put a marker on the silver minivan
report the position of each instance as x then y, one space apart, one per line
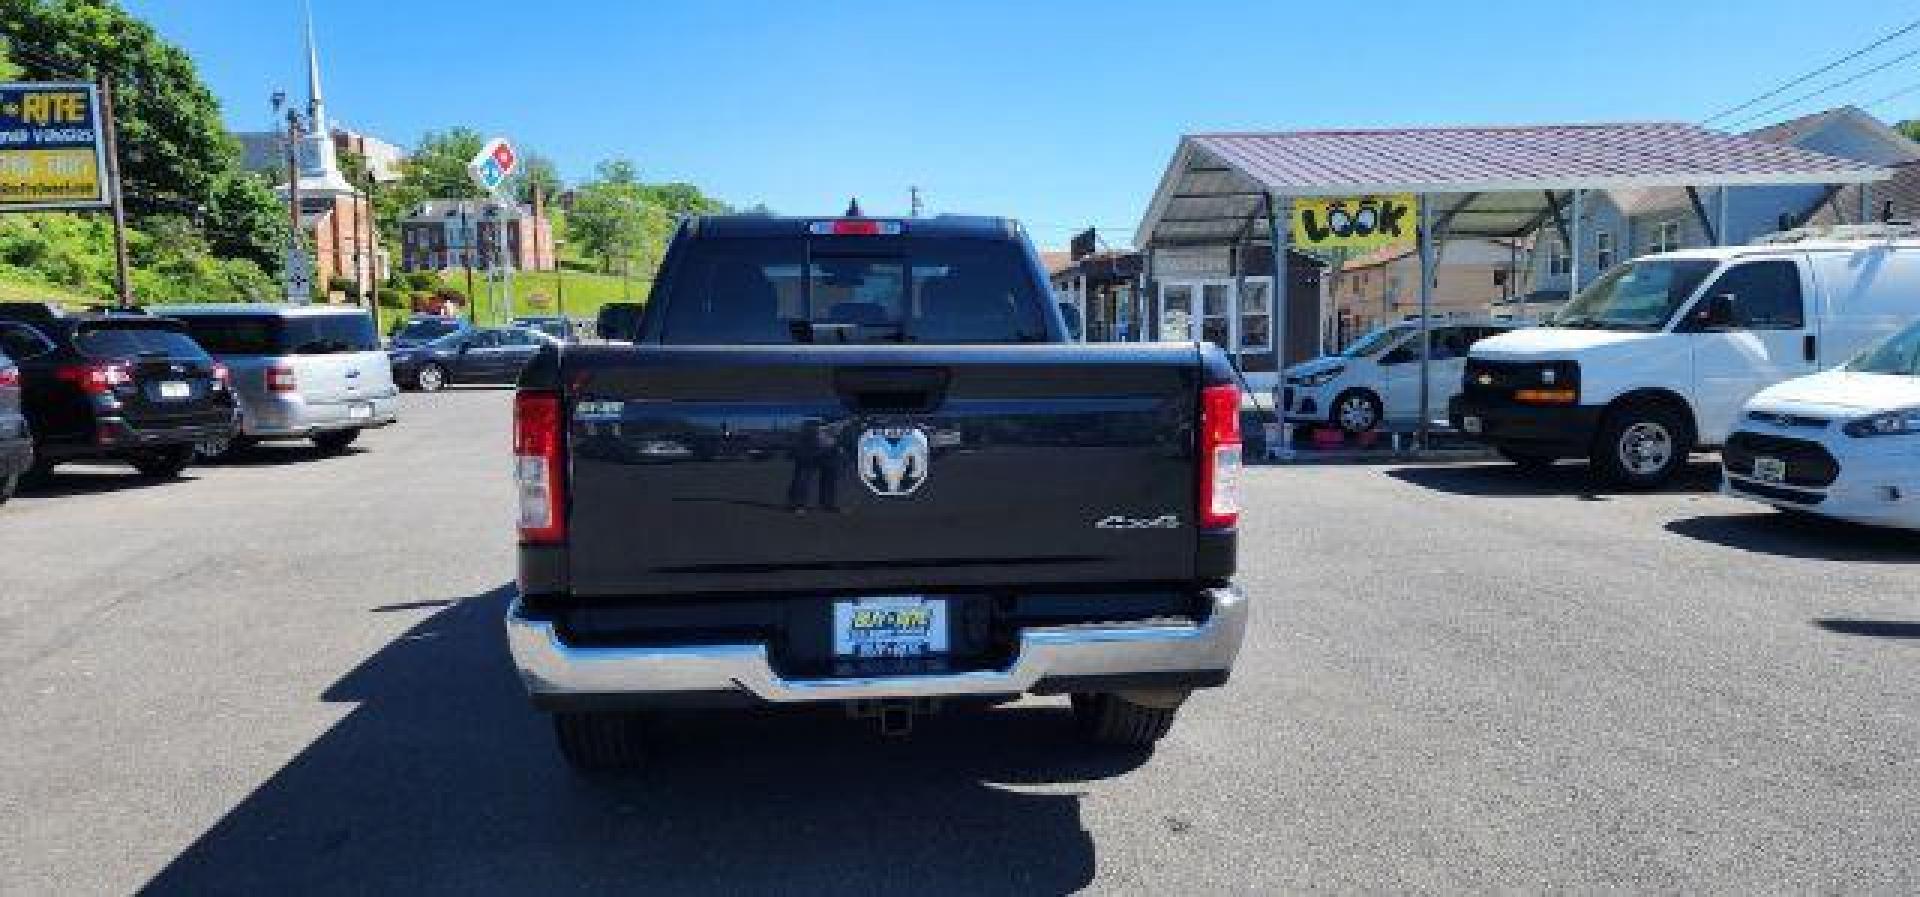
300 371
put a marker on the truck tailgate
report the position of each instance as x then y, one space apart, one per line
864 468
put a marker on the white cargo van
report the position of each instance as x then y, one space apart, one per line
1660 355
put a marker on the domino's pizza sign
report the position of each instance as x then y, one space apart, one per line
494 165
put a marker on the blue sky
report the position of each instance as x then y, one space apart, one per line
1061 114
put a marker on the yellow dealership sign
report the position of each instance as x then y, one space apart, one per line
51 154
1357 223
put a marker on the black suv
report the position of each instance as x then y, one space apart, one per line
128 387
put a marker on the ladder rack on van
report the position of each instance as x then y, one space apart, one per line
1879 231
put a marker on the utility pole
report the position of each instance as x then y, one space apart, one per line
372 289
293 174
123 282
466 252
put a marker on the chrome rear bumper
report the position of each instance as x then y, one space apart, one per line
1203 651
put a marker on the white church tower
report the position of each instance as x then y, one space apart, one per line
320 175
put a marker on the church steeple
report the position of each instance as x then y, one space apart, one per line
319 163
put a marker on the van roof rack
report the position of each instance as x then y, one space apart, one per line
1882 230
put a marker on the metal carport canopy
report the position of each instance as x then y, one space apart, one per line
1500 180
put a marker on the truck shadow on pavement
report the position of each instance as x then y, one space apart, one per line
443 780
1809 538
1561 480
93 480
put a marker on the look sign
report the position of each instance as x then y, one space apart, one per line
1358 224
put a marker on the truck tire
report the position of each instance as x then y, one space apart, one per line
600 742
1642 445
162 463
1114 721
8 485
333 442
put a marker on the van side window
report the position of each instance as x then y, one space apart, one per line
1766 295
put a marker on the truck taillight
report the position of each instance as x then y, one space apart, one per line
9 376
280 378
1219 456
96 379
537 465
222 378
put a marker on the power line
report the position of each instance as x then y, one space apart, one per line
1882 41
1892 96
1814 93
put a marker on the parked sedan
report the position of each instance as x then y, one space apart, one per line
479 355
1844 443
16 441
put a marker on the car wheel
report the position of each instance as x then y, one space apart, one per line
430 378
1528 461
334 442
1115 721
600 741
162 463
1642 446
9 484
1357 411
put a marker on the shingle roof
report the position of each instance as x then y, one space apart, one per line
1466 160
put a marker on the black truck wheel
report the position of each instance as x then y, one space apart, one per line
1109 719
601 742
334 442
8 484
162 463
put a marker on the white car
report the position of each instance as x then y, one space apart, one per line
1842 444
1377 379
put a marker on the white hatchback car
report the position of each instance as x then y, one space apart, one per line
1842 444
1377 379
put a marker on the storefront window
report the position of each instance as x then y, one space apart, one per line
1216 321
1256 318
1176 312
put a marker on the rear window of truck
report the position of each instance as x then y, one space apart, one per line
277 335
132 339
778 291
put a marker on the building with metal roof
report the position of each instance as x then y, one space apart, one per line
1224 192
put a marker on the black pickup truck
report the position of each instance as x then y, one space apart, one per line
861 461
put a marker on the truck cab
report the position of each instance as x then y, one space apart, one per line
1659 356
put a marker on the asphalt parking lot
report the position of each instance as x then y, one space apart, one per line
288 676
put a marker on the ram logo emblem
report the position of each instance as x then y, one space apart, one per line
893 461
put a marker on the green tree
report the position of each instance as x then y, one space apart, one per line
539 171
1910 128
438 166
175 154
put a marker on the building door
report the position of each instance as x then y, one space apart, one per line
1254 322
1176 312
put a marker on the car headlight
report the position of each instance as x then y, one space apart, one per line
1319 378
1904 422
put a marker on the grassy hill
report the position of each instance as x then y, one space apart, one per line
15 287
583 293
